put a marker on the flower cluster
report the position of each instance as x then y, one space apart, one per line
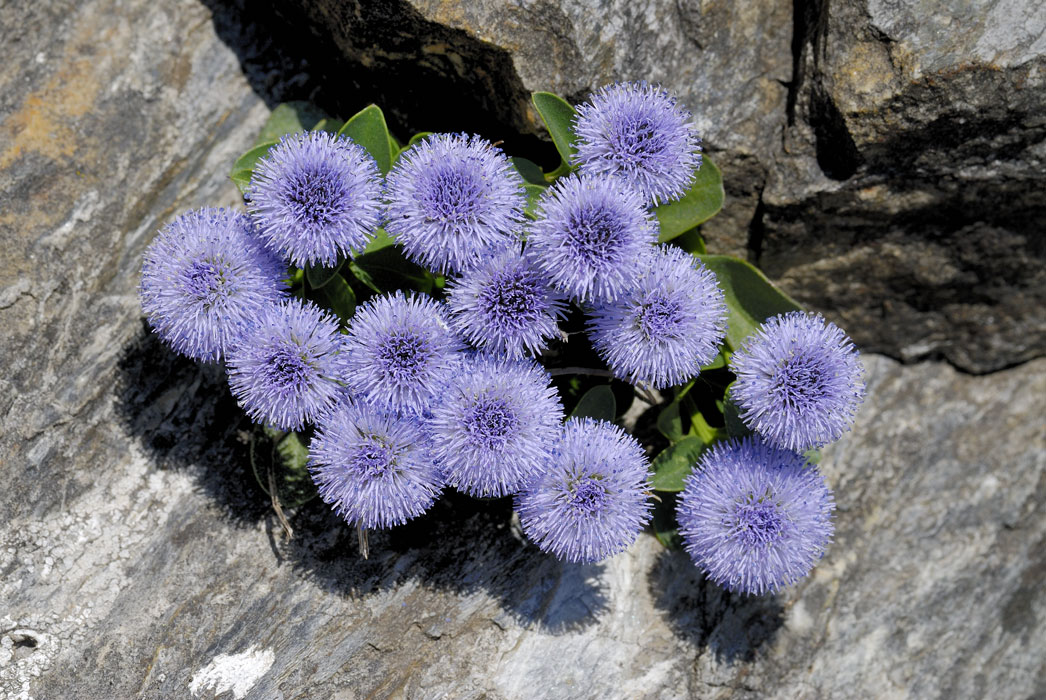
444 385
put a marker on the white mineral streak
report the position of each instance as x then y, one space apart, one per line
235 672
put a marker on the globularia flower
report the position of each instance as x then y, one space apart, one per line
590 235
399 348
285 370
799 381
494 425
205 278
639 133
754 517
374 468
669 324
504 305
589 501
451 198
315 197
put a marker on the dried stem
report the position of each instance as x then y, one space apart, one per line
287 530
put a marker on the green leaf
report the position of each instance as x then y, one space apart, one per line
691 242
363 276
666 530
388 269
394 146
670 422
675 463
702 201
319 276
340 298
418 138
285 455
243 169
735 427
290 118
598 403
534 193
367 128
750 297
529 170
718 363
558 116
813 456
330 125
381 239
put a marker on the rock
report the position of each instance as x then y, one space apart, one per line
884 169
138 558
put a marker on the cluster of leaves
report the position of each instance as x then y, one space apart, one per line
695 415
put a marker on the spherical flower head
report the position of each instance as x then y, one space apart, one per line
285 370
638 132
668 326
399 347
590 235
374 468
589 501
205 278
451 198
754 517
495 424
504 305
799 381
316 197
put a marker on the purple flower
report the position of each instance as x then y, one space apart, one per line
639 133
205 278
495 424
504 305
451 198
591 234
374 468
285 370
315 197
669 324
754 517
589 502
399 348
799 381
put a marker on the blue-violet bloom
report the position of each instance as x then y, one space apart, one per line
589 502
799 381
504 305
669 324
374 468
205 278
495 424
285 370
640 133
753 516
590 235
316 197
451 198
399 348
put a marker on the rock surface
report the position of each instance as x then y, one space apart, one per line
139 559
884 161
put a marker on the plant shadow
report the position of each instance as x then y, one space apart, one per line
184 418
734 627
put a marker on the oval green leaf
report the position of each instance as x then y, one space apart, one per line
701 202
558 116
319 276
340 298
534 193
290 118
750 297
367 128
670 422
243 169
598 403
529 170
675 463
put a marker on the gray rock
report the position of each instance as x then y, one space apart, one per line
138 558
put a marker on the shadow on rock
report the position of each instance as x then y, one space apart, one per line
183 415
461 546
734 627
